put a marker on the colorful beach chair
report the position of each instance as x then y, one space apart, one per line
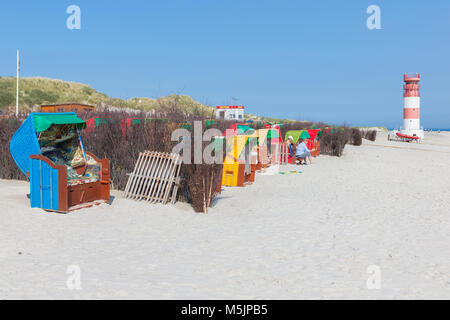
63 177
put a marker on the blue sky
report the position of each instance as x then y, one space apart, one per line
313 60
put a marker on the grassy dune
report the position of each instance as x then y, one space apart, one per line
37 91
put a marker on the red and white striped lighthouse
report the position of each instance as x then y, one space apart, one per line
411 108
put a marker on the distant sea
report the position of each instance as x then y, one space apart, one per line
426 129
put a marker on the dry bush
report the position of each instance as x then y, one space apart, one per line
355 136
370 135
200 182
8 168
203 182
109 141
332 142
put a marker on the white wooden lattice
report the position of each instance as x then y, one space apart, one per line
155 177
283 150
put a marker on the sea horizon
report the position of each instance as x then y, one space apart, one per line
426 129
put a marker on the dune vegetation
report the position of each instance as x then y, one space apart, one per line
37 91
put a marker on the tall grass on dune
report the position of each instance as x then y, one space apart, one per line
35 91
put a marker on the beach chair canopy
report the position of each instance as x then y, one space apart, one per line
209 123
332 130
239 128
235 147
43 121
40 130
218 143
93 123
297 134
275 134
99 121
243 129
313 133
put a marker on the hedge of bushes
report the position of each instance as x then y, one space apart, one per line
200 182
332 142
355 136
370 135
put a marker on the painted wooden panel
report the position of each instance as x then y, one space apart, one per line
43 185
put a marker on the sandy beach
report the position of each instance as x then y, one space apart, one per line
310 235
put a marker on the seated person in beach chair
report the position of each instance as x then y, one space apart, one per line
291 144
302 152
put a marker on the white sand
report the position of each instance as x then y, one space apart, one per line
308 235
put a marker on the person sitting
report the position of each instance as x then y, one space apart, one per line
291 144
302 152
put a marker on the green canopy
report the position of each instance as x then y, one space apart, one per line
210 123
242 129
43 121
218 143
273 134
99 121
305 135
296 134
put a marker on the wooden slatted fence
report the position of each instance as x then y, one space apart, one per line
283 151
155 177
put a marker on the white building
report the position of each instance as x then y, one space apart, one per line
230 113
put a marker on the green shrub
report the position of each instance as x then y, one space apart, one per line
6 99
38 96
87 90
